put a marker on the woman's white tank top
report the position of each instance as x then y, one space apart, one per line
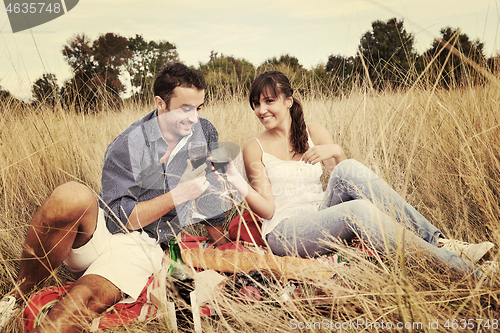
296 188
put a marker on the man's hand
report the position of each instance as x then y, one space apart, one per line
192 184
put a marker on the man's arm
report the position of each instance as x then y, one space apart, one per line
123 183
120 190
192 184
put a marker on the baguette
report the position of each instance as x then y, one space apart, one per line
230 261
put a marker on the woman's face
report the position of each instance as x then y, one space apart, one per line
273 111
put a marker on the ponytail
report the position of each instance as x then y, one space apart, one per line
298 129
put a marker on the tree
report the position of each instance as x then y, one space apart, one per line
388 53
340 66
342 72
450 67
291 67
494 64
78 54
96 67
286 59
81 91
9 105
5 95
45 90
226 75
84 94
145 62
110 52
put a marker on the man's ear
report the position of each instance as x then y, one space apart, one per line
159 103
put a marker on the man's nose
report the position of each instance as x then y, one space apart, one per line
193 115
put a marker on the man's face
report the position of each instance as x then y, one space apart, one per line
177 119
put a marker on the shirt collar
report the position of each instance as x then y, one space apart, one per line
152 128
179 146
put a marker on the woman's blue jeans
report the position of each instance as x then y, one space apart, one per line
359 203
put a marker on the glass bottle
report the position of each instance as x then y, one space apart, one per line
175 270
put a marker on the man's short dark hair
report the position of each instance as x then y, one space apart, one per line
175 74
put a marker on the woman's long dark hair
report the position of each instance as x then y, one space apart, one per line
275 83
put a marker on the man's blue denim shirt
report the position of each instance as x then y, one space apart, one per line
132 172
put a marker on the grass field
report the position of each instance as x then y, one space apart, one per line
439 149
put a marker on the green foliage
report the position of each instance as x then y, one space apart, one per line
9 104
110 52
227 76
343 73
87 94
291 67
340 66
45 90
145 62
388 53
4 95
450 67
81 91
494 64
285 59
97 68
319 83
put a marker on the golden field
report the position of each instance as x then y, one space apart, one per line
439 149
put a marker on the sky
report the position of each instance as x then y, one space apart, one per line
254 30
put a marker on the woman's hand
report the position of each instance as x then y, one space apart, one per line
234 178
324 150
320 153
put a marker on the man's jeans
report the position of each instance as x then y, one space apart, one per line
359 203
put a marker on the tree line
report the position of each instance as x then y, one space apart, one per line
385 58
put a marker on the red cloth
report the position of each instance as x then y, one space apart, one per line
41 302
254 225
249 226
200 242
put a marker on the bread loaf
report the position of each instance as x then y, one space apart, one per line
230 261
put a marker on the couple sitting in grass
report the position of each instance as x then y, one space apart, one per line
148 185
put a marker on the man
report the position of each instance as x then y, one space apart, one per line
148 189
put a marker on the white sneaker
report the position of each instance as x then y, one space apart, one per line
487 270
490 267
8 310
473 252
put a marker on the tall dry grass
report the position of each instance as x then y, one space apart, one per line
439 149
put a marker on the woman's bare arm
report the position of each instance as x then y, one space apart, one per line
258 194
324 149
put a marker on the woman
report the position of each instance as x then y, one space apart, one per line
284 169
